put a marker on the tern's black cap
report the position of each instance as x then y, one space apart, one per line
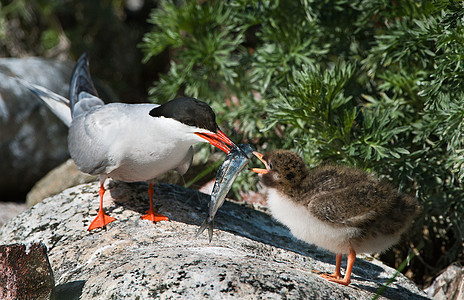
189 111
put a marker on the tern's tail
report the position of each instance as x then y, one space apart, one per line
59 105
204 225
83 95
81 82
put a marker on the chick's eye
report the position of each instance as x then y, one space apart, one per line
270 165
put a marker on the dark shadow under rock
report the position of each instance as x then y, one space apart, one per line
69 291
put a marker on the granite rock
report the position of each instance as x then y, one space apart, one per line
251 255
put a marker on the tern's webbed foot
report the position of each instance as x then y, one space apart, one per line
101 220
154 217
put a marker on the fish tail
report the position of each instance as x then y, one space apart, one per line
210 230
204 225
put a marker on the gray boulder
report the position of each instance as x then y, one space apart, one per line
32 139
57 180
9 210
251 255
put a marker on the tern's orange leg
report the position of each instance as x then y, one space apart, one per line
336 277
150 214
102 219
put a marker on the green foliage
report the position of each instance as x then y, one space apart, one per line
316 107
375 84
207 42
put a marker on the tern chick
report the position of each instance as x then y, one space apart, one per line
343 210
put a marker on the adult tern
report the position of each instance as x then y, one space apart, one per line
130 142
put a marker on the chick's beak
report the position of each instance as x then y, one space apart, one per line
218 140
260 157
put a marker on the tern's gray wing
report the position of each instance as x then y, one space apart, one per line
186 162
85 103
81 82
91 135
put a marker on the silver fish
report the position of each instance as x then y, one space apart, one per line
234 162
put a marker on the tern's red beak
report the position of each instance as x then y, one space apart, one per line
218 140
257 170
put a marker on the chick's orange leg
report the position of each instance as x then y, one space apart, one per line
349 267
150 214
102 219
338 263
337 274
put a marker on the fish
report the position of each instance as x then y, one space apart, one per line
234 162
